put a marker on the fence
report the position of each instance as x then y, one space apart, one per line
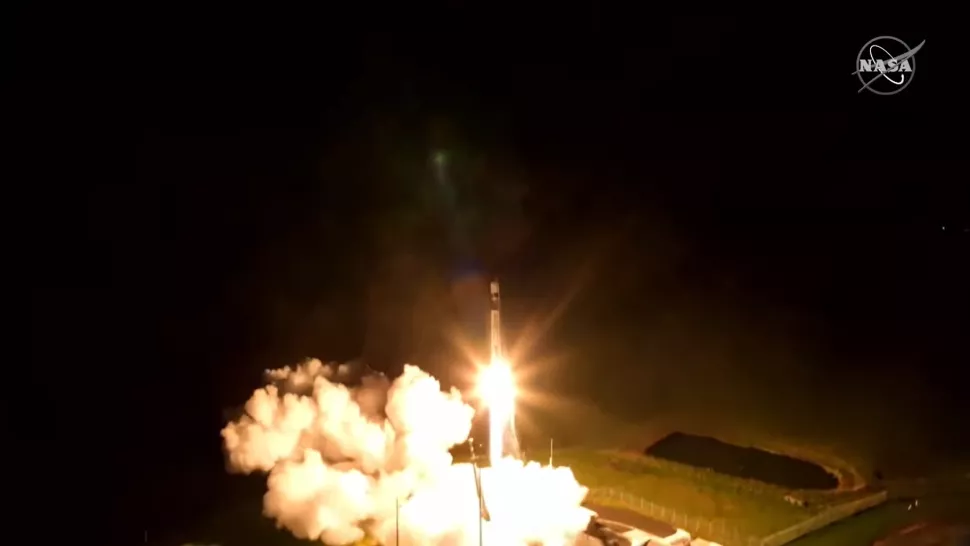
716 530
824 518
639 463
720 531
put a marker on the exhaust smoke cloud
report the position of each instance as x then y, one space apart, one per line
371 460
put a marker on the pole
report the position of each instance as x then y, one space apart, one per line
397 521
550 451
478 489
481 501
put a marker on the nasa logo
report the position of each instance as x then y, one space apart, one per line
882 72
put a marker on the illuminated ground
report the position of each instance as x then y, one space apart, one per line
756 509
743 462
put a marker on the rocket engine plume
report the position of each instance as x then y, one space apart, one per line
498 390
345 462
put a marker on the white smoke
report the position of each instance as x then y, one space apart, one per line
372 460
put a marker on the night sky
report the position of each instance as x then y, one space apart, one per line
719 207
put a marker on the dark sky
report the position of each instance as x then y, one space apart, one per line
214 200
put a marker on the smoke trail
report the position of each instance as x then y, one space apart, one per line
340 458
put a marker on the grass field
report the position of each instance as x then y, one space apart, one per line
615 459
750 508
755 509
869 526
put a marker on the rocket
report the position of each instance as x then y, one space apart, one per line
509 437
495 324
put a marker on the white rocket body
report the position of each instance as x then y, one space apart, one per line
509 438
495 324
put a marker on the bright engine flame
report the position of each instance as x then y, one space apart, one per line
497 385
